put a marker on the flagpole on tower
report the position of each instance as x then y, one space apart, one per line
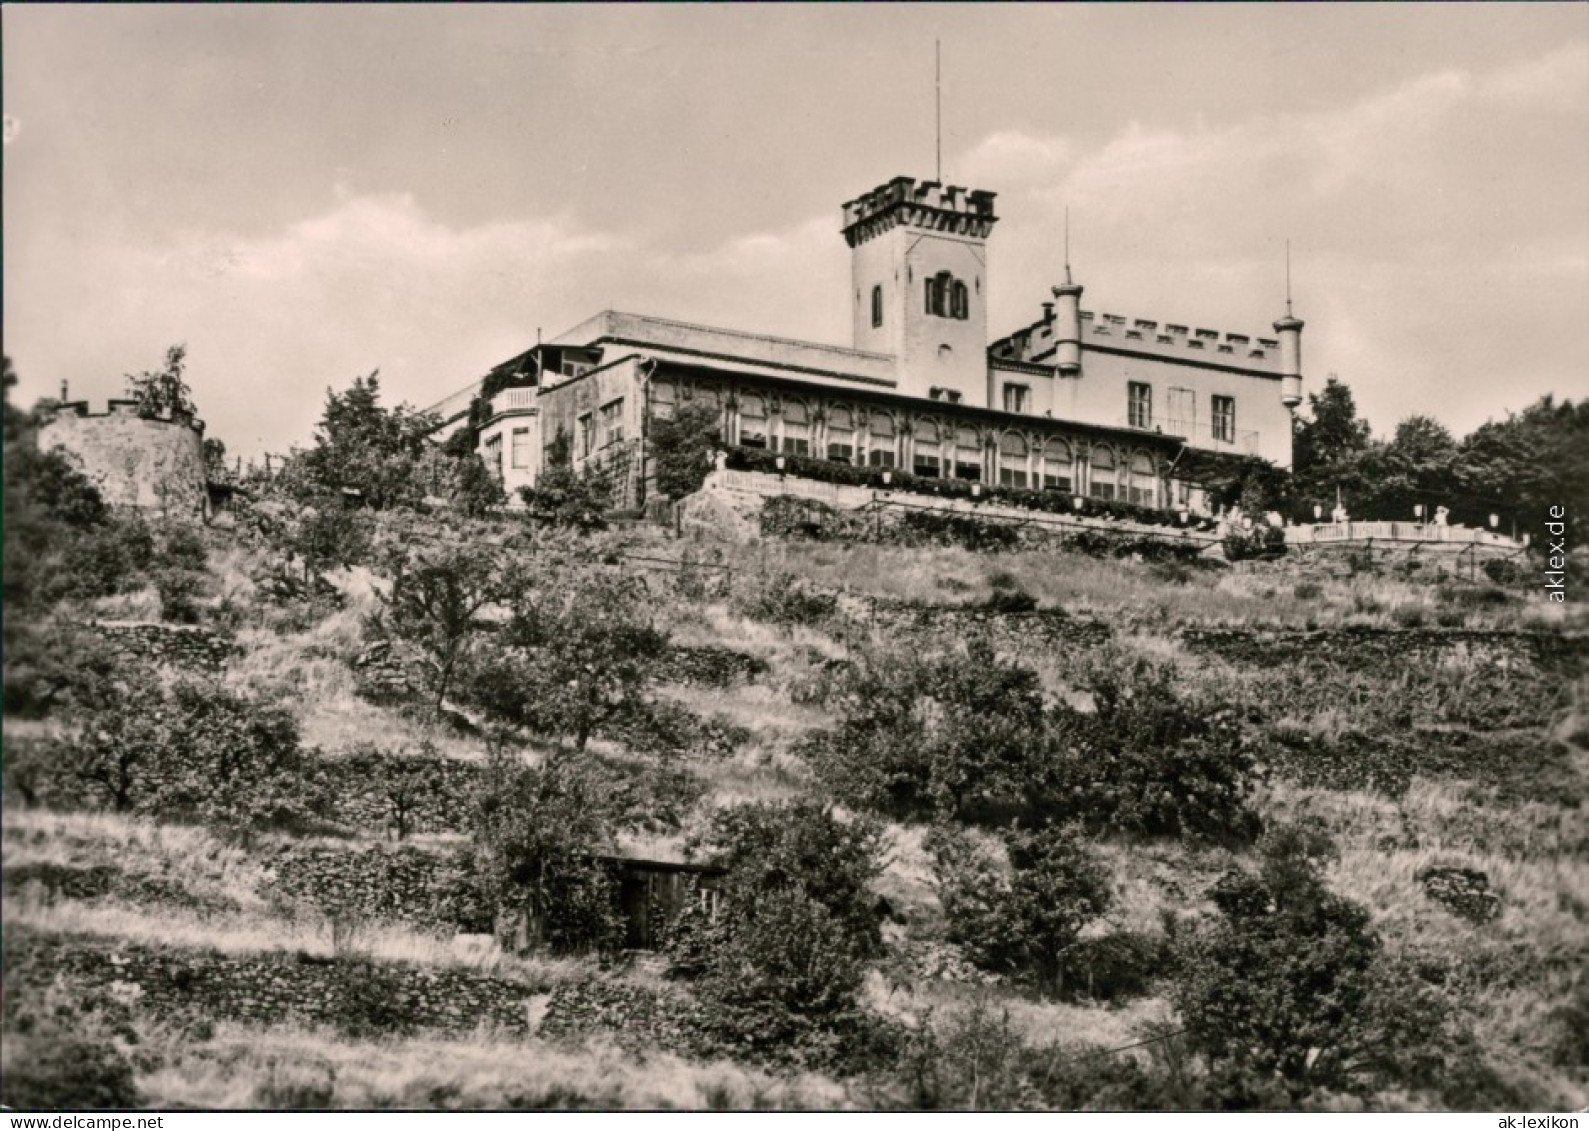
937 92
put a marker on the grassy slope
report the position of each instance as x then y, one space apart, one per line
1537 868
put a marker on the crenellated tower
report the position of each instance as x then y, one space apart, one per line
919 268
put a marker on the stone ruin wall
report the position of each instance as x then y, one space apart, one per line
154 465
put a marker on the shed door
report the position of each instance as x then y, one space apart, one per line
634 897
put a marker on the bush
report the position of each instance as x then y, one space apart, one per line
179 591
1147 760
1010 601
53 665
1027 923
954 735
52 1068
1290 987
1262 543
193 749
1503 571
782 960
786 599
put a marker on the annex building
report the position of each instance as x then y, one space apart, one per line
1080 402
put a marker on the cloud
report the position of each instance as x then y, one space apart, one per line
1433 249
1430 221
377 282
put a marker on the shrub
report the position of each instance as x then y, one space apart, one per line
786 599
1148 760
1010 601
1502 571
782 961
193 749
564 497
1025 924
51 665
953 735
1262 542
1307 591
179 591
1290 988
681 447
52 1068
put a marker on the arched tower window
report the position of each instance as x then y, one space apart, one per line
960 302
877 305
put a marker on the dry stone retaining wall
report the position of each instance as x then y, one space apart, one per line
178 645
267 988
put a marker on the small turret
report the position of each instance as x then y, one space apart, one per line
1067 327
1289 329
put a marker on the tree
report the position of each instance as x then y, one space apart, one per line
1417 466
366 449
1330 446
535 831
783 957
953 736
1519 467
163 394
476 492
408 786
565 497
438 595
1024 922
577 653
681 446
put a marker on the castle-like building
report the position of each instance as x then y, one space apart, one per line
1078 402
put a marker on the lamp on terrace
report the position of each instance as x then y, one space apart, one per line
1495 521
888 477
1318 512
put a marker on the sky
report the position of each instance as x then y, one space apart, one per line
303 194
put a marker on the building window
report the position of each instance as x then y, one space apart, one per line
1017 398
1012 461
947 297
877 305
796 429
880 442
968 455
925 465
587 435
494 455
1225 419
1142 487
521 448
612 422
1101 484
1139 397
574 369
1056 466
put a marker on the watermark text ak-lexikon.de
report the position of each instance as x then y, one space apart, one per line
1556 555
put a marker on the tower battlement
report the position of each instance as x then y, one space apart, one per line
925 204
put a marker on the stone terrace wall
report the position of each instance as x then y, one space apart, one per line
1039 630
430 890
1367 644
267 988
178 645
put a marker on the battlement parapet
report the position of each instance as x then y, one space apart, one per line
127 409
923 204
